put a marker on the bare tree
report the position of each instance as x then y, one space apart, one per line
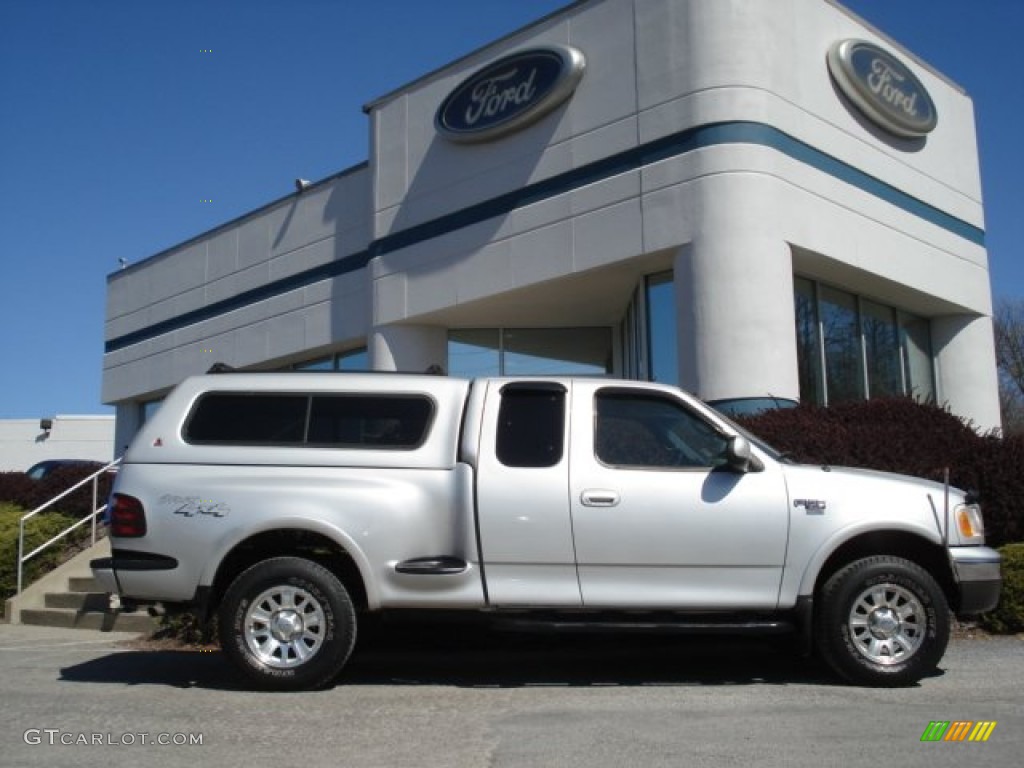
1008 322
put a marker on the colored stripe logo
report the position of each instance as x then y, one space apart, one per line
958 730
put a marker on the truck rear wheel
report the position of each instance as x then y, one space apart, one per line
882 621
287 624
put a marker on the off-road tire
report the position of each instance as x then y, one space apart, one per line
882 621
287 624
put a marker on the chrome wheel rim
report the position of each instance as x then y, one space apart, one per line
887 624
284 627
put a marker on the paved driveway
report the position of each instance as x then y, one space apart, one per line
476 699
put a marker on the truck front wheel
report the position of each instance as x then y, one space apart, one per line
882 621
287 624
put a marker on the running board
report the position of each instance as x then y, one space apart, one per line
681 625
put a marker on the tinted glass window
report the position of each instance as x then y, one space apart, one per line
248 418
530 352
915 335
531 426
367 421
808 341
881 349
334 421
662 337
844 360
868 349
640 430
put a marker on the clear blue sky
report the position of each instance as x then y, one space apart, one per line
116 127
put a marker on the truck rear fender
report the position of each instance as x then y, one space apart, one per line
291 535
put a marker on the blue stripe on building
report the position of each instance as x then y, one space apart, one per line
675 145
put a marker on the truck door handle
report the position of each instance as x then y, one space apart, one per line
599 497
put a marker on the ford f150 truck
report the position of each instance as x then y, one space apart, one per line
290 505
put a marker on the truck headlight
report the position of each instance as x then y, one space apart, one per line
970 524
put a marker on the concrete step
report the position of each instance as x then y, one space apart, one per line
83 584
108 621
77 601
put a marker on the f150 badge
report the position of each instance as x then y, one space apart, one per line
811 506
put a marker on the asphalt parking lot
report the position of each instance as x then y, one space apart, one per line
479 699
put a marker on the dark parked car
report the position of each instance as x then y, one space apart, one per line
44 469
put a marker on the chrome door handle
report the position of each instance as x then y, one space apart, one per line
599 497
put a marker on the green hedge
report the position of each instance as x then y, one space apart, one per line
1009 614
38 530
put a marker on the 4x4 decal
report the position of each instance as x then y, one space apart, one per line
190 506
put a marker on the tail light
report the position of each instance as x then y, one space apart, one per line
127 517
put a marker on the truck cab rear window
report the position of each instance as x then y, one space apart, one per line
387 422
531 425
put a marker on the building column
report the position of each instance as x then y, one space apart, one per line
409 348
127 421
966 375
736 324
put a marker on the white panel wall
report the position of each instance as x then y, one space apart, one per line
326 223
434 176
23 443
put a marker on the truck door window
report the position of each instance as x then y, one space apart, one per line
531 425
637 429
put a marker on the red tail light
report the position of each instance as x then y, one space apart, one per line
127 517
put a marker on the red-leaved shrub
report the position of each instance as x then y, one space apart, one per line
903 436
17 488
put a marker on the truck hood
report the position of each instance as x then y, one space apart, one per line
872 478
852 496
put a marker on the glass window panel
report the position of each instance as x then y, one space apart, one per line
881 350
232 418
641 430
808 346
844 375
915 338
531 426
474 353
354 360
662 330
632 343
320 364
394 422
557 351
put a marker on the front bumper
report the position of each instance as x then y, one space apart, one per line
978 577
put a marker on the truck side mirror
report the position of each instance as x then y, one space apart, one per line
739 457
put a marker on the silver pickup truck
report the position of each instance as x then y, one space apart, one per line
290 505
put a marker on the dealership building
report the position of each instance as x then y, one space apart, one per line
749 199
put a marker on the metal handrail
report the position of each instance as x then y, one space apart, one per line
97 511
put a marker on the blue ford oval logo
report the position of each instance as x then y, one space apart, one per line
882 87
510 93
